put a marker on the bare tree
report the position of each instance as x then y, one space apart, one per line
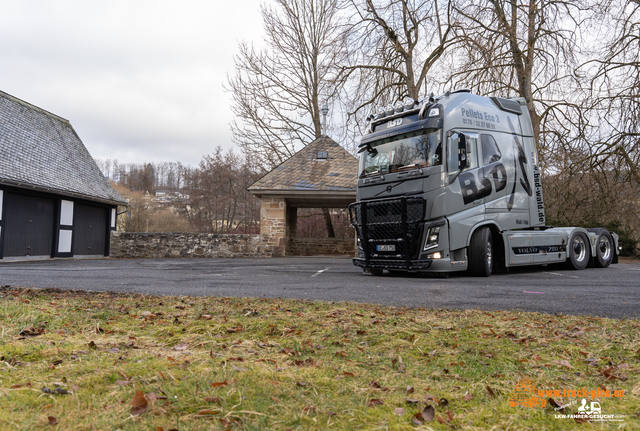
390 48
615 88
521 47
278 91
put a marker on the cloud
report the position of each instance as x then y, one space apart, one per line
138 80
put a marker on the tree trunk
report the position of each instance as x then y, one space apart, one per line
327 223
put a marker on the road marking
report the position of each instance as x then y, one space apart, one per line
320 272
562 275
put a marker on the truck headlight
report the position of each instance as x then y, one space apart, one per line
433 236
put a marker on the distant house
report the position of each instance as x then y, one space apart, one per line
54 201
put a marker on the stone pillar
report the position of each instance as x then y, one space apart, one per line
273 221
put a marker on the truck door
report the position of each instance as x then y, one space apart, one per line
465 191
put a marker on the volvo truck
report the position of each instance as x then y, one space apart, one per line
453 183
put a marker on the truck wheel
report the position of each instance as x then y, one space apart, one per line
578 251
604 248
481 253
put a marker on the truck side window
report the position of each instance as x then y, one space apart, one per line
490 151
472 154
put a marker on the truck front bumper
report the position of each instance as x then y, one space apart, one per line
412 265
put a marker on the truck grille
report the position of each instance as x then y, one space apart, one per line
389 229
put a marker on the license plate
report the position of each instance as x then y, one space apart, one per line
386 247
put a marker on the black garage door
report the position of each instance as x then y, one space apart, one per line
90 224
28 225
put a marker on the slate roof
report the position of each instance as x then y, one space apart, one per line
41 151
304 171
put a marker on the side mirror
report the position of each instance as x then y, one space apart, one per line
463 150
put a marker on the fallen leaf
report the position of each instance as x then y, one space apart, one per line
212 399
449 416
399 411
21 385
441 420
555 405
409 390
207 412
493 394
425 415
52 420
139 404
348 374
375 402
432 398
30 331
411 401
468 397
152 397
443 402
56 391
181 347
563 363
308 409
219 384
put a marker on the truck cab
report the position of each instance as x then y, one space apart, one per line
453 184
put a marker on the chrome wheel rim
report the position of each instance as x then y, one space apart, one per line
579 248
605 247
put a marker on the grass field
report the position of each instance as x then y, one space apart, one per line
103 361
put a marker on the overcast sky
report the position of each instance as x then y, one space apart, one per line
139 80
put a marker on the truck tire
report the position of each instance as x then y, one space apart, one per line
481 253
604 248
578 249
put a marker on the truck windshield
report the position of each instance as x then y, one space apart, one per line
409 150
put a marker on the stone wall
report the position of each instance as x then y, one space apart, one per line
320 246
163 245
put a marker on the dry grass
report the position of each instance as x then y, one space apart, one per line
81 361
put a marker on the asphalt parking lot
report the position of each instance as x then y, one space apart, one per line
612 292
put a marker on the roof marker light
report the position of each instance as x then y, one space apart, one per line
409 104
434 112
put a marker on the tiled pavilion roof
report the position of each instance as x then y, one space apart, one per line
308 171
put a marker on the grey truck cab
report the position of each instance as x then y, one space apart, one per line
453 184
